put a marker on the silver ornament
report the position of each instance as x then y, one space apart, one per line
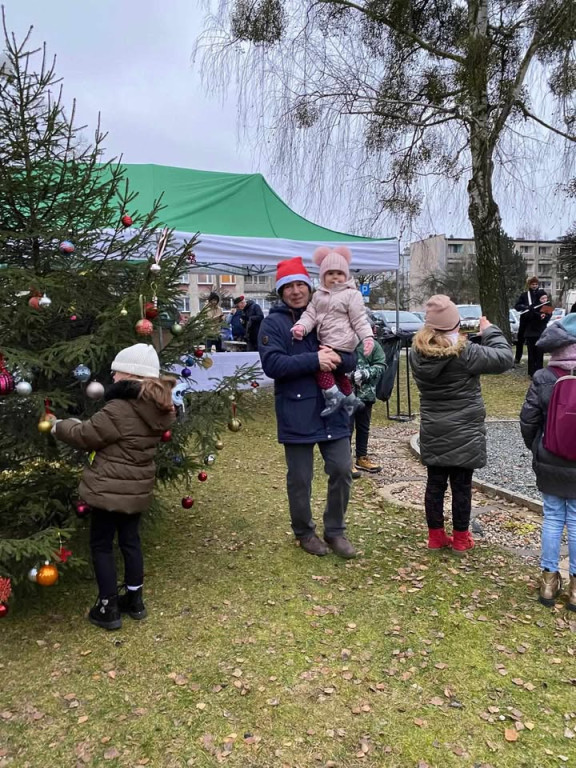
177 329
33 574
82 372
23 388
123 311
155 267
209 460
95 390
44 301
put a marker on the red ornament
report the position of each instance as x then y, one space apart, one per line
254 384
150 310
166 436
5 589
187 502
3 610
34 302
126 220
63 554
198 352
144 327
82 508
202 476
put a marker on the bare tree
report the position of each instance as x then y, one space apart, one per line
397 93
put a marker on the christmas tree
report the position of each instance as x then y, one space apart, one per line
83 273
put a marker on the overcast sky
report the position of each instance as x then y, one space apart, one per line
130 60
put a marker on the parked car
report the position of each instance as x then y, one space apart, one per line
514 324
408 321
557 314
421 315
470 315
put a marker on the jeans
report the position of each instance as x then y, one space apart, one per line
461 487
558 513
361 420
337 465
103 527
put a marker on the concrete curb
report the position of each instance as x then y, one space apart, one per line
488 488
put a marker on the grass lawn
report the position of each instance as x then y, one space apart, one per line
256 654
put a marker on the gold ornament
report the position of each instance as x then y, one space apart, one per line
219 445
47 575
44 425
206 362
234 425
123 311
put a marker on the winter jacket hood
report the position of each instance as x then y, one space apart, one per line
452 414
124 435
554 337
293 366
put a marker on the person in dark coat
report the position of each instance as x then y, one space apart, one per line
299 402
538 317
237 320
447 369
252 317
555 476
118 483
529 298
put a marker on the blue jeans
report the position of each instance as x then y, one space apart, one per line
558 513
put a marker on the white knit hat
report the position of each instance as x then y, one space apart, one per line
138 360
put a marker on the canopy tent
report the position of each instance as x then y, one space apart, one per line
244 227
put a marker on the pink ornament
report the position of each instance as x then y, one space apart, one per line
144 327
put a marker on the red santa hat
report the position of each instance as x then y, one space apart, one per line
291 271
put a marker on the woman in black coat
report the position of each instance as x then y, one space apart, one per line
526 300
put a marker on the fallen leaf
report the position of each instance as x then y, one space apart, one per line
437 701
111 754
511 734
82 719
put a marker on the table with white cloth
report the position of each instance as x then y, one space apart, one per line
224 364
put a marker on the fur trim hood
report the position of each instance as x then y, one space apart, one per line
424 348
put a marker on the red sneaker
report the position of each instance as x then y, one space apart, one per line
437 538
463 541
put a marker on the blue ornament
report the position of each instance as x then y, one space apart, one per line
185 372
177 460
67 247
82 372
190 361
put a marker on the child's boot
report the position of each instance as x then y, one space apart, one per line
105 613
334 401
462 542
131 602
571 605
352 404
437 538
550 587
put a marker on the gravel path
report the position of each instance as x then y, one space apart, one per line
509 461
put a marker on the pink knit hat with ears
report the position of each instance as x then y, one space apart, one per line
332 258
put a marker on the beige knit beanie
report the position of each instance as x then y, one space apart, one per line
441 314
138 360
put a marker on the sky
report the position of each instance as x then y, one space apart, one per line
130 60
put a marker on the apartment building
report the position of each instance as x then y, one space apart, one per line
197 286
437 252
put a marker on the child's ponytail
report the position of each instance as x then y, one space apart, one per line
158 391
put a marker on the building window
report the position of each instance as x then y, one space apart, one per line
205 279
183 303
525 249
455 248
545 268
185 278
543 250
227 279
256 280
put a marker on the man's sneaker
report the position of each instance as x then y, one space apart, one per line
105 613
340 546
334 401
131 602
313 545
367 465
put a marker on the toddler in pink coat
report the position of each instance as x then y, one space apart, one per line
338 314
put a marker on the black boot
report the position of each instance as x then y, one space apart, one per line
105 613
131 602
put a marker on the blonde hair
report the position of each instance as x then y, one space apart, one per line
430 337
158 391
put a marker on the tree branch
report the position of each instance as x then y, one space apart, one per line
527 113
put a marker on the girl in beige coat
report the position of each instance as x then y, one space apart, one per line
338 314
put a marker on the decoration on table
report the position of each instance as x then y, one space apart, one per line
95 390
210 459
62 555
6 379
187 502
5 592
33 574
44 301
207 362
219 445
176 329
190 360
166 436
199 352
254 384
126 221
48 418
186 372
234 425
144 327
24 388
202 476
160 248
82 372
82 509
67 247
47 574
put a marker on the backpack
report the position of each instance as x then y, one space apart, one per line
560 431
385 384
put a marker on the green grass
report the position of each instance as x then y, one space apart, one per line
256 654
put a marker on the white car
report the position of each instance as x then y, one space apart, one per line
557 314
